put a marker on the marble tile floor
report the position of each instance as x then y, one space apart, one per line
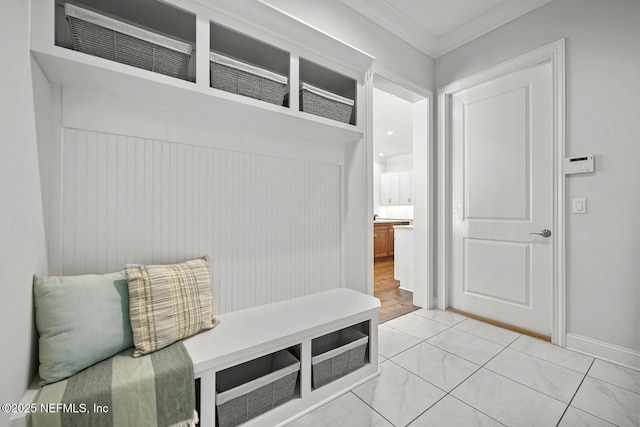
442 369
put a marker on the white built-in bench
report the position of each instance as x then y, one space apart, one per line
248 334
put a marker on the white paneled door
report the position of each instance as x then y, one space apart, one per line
502 191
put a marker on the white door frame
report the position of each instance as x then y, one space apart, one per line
423 196
553 53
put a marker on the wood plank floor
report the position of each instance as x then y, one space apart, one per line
393 300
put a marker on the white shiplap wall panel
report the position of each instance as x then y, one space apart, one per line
270 225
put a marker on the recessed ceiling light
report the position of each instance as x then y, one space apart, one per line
381 154
389 132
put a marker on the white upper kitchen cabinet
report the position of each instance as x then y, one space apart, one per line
396 188
389 189
406 187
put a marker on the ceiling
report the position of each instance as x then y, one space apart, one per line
391 114
436 27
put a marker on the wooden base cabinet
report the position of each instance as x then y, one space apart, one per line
383 239
380 240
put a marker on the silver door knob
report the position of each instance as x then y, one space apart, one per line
543 233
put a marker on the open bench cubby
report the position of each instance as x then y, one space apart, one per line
339 353
273 363
254 387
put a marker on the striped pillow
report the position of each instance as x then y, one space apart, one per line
168 303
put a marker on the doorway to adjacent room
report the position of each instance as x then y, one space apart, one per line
400 179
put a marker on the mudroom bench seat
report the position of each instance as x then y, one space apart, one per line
294 325
299 327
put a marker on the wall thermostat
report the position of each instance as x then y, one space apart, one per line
578 164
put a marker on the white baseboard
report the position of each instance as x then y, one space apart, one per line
603 350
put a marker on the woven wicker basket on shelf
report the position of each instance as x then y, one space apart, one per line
108 38
337 354
320 102
252 388
244 79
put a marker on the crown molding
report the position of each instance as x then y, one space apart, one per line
484 23
388 17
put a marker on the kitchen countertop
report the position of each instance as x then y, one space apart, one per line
403 227
387 220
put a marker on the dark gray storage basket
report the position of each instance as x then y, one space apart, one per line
254 387
320 102
244 79
117 41
337 354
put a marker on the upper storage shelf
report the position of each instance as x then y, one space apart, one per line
200 40
232 43
327 93
144 33
247 67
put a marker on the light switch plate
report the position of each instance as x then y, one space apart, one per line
579 206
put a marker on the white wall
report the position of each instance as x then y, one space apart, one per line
424 209
22 246
342 22
400 163
395 60
170 186
603 102
379 167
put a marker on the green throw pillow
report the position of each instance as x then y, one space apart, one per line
81 321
